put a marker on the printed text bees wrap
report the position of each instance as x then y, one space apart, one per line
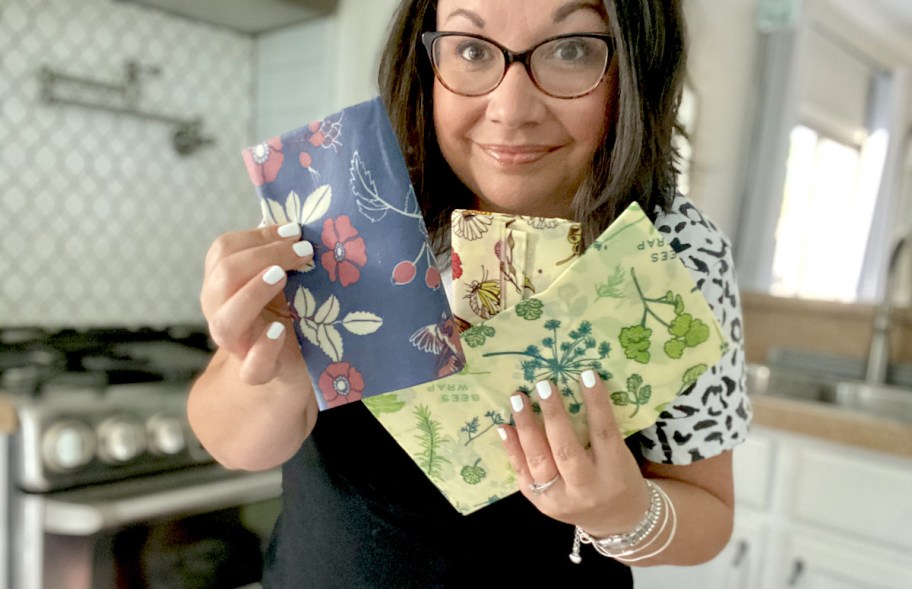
369 314
627 308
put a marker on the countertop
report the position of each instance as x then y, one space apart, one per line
822 421
834 424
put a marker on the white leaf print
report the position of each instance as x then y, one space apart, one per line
328 311
304 303
369 202
309 331
362 322
273 213
292 207
316 204
330 341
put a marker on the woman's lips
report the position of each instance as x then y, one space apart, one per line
516 154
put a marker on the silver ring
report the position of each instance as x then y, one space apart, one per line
539 488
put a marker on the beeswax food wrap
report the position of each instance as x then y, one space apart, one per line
369 313
627 307
508 259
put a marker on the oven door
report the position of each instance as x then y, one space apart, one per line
202 527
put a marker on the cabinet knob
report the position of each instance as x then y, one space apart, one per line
797 572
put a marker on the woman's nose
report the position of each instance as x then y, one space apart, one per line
517 100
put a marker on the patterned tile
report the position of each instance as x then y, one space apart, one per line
101 221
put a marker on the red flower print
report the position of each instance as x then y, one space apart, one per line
346 251
316 139
340 383
305 159
263 161
326 133
457 266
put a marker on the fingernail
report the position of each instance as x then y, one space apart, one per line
273 275
502 433
588 378
290 230
517 402
275 330
544 389
303 248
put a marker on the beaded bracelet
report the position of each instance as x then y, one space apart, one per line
619 546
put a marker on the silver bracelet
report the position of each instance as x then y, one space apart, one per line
628 543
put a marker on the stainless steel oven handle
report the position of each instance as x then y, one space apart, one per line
86 516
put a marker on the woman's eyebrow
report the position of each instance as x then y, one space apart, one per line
476 20
571 7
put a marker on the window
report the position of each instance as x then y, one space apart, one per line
827 209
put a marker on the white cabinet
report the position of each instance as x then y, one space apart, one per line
736 567
816 560
810 515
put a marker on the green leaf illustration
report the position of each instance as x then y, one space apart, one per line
693 373
389 403
674 348
612 288
636 394
697 334
635 341
473 474
475 336
430 460
530 309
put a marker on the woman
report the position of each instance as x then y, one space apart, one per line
579 128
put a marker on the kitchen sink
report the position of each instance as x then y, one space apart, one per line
882 400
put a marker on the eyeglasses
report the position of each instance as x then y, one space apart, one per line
565 66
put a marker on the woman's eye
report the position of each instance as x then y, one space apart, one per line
571 51
472 51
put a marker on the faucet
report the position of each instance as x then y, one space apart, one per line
879 352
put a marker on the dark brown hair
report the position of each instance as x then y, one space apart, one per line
636 162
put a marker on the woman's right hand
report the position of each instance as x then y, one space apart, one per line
243 302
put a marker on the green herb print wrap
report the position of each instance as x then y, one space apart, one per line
627 308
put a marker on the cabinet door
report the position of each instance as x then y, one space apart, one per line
823 561
736 567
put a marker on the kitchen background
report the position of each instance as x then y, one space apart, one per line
106 215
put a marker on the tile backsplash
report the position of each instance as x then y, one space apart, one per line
102 222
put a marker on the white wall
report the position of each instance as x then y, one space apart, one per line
308 71
723 54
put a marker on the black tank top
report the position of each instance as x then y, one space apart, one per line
358 513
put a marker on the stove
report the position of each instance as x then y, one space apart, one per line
101 405
102 462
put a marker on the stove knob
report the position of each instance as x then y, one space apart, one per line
166 435
67 445
120 439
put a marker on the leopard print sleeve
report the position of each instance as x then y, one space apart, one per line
713 414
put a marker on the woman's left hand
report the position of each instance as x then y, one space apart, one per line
600 487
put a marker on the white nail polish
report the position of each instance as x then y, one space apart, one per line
517 402
289 230
588 378
275 330
273 275
502 433
544 389
303 248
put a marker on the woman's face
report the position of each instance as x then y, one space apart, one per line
518 149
